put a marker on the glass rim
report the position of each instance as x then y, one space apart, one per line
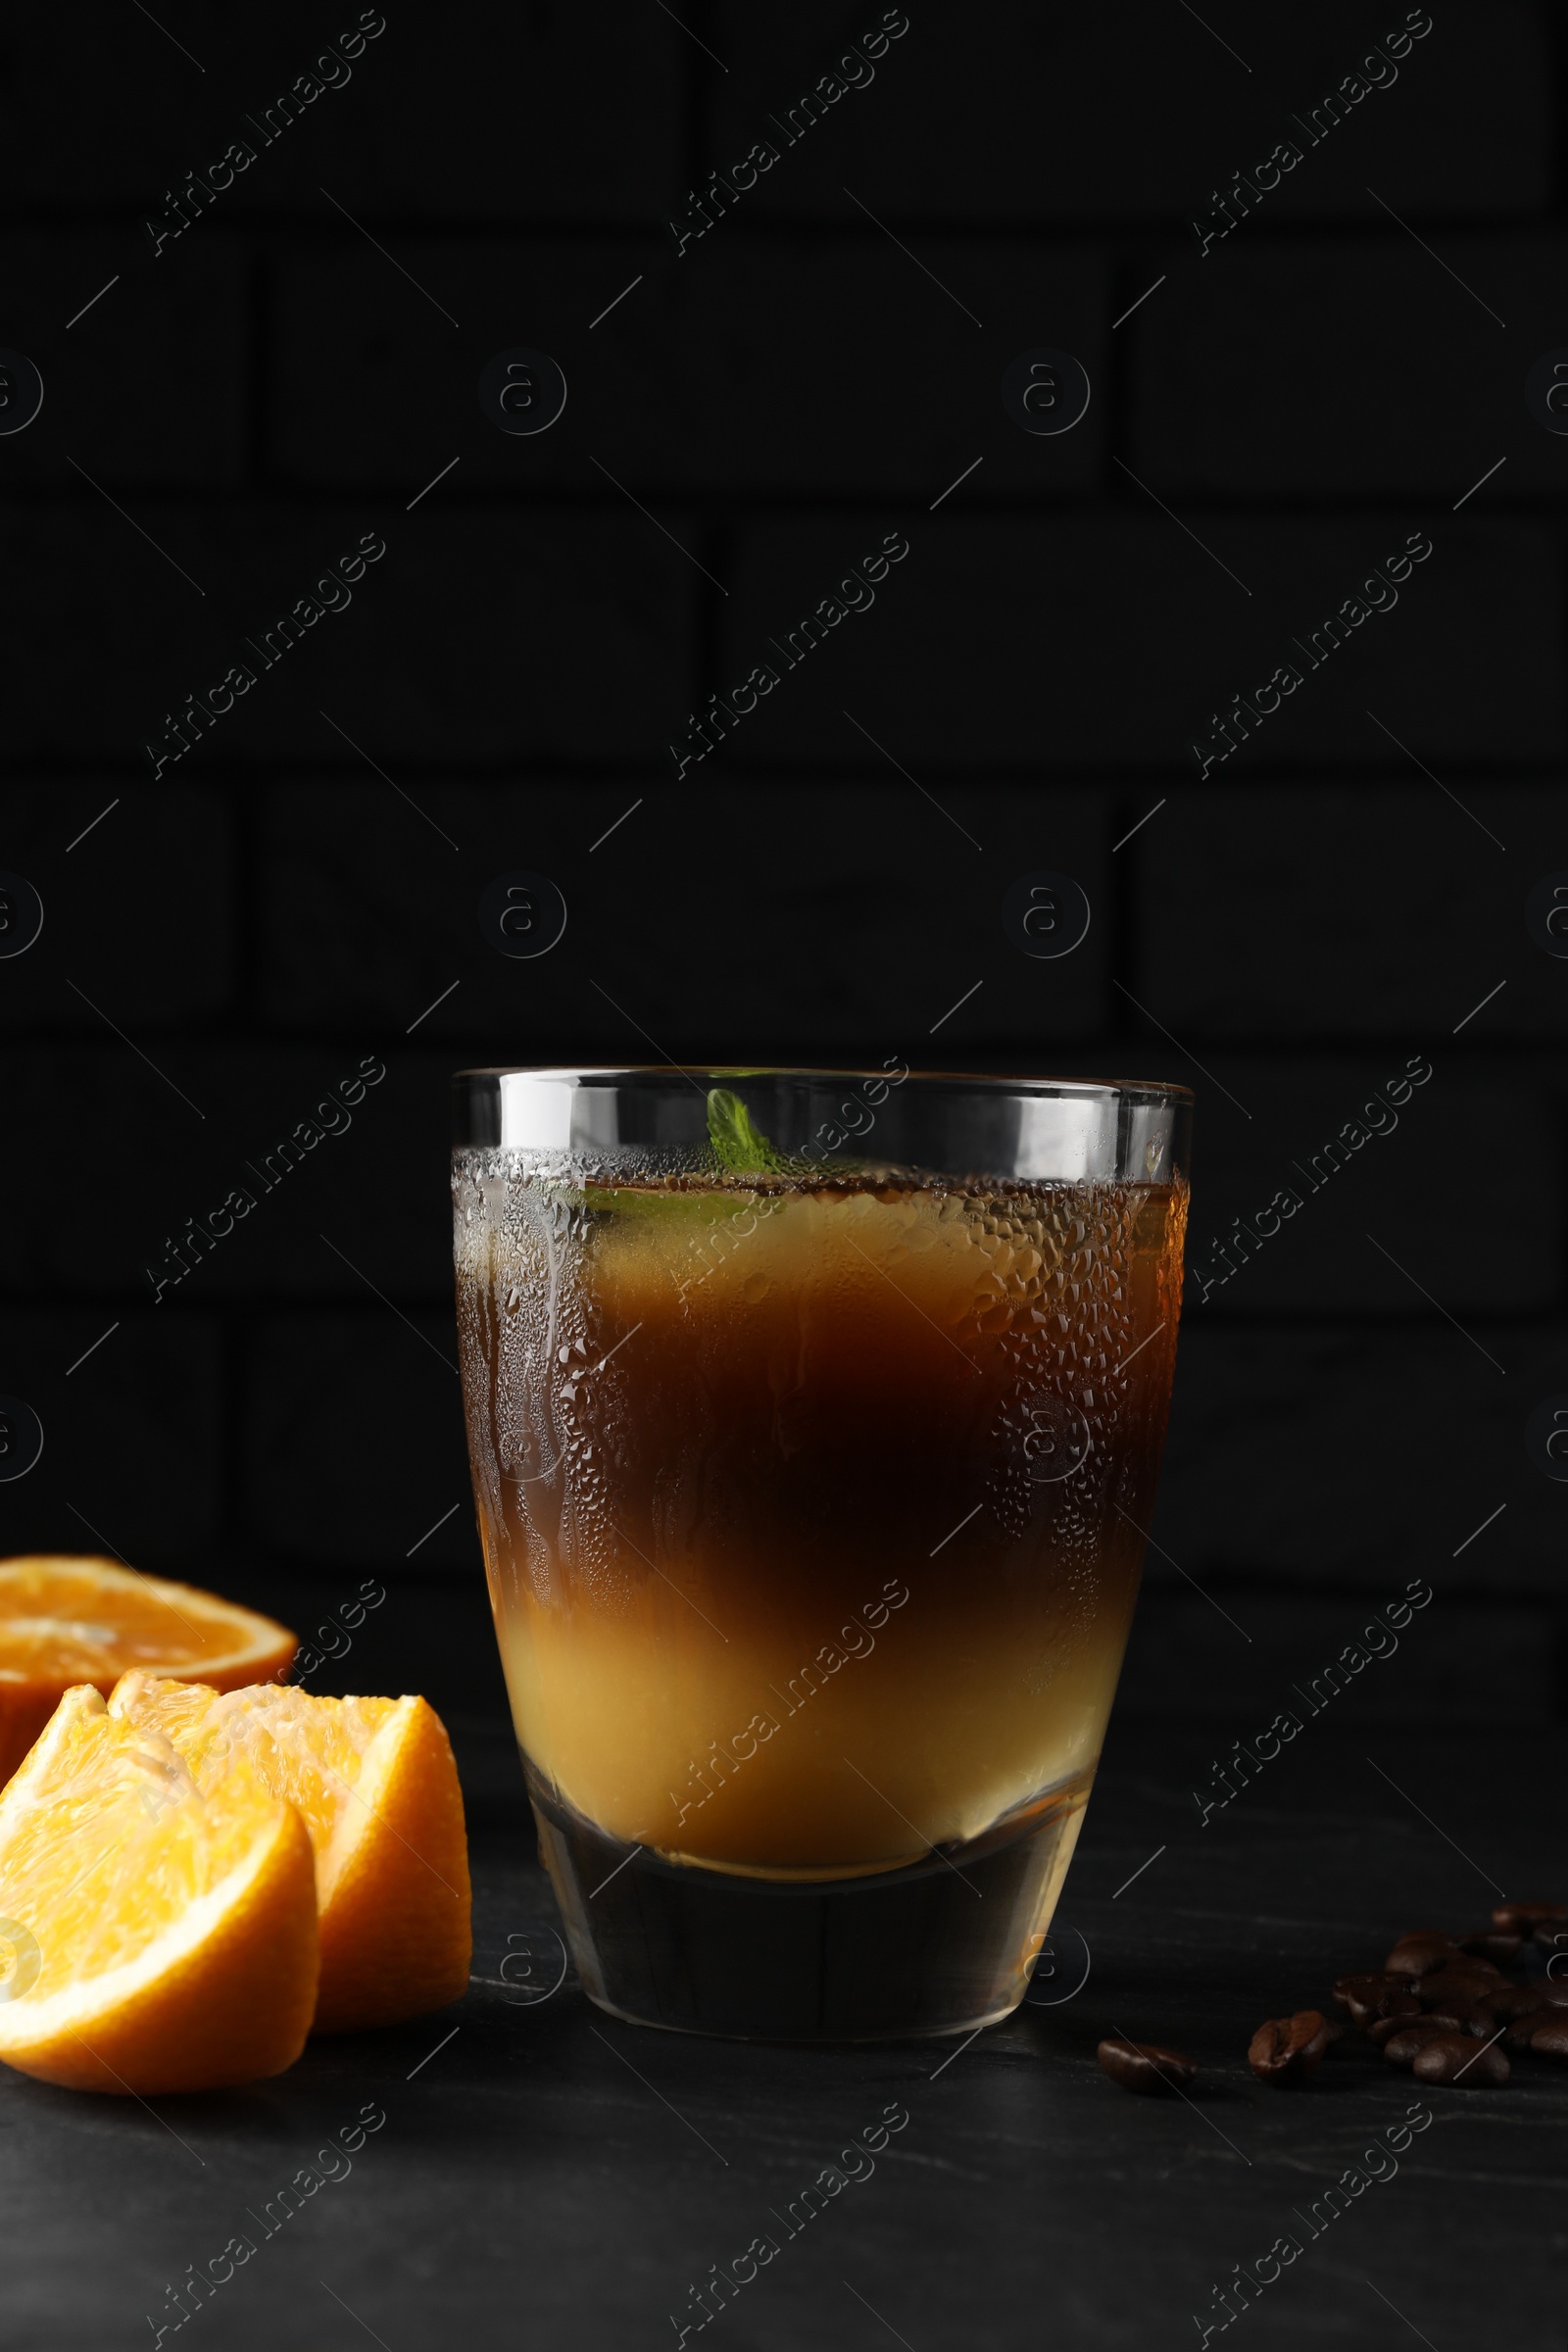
1106 1089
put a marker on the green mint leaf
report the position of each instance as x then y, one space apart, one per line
741 1150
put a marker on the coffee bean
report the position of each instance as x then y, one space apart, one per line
1413 1959
1368 1981
1455 2018
1446 1986
1492 1946
1455 2059
1143 2066
1552 2038
1473 1964
1554 1938
1399 2009
1521 1919
1364 1993
1422 1949
1286 2050
1460 2007
1546 1996
1543 1999
1519 2032
1401 2047
1516 2000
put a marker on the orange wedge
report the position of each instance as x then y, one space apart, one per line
375 1782
153 1937
65 1621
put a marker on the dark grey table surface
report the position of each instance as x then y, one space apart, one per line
546 2176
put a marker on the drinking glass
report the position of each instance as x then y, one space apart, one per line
815 1419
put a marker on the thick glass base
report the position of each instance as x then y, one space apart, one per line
941 1947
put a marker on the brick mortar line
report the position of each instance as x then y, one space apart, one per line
201 1033
499 772
291 497
1091 235
1501 1051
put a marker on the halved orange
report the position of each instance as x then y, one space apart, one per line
66 1621
376 1784
154 1936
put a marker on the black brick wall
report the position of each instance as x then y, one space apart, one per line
233 937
